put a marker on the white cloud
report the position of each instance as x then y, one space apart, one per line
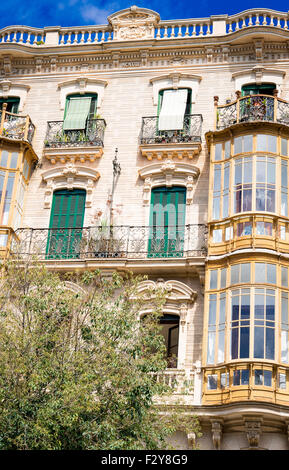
95 15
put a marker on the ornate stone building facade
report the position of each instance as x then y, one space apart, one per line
161 147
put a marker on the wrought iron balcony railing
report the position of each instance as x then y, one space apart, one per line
92 135
111 242
191 131
16 127
252 108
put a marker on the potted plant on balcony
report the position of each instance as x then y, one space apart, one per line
101 242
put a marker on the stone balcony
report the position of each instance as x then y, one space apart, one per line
82 144
181 143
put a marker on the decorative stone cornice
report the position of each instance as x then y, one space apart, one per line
9 88
169 173
179 297
133 23
68 177
82 85
72 154
171 150
259 74
175 80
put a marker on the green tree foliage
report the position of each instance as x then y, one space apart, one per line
77 367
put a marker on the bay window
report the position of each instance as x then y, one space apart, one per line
244 321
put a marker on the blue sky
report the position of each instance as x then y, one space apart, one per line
41 13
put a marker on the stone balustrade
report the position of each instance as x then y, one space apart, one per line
215 25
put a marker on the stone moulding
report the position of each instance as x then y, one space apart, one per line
72 154
258 75
169 173
171 150
133 23
82 85
175 80
69 177
179 297
8 88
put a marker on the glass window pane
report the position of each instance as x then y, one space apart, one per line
224 380
261 142
238 171
244 342
260 272
245 377
282 381
259 342
223 277
284 346
212 309
267 378
13 160
236 377
211 347
217 178
222 316
212 382
258 377
218 152
248 170
245 272
217 236
3 239
237 145
248 143
235 274
284 174
272 143
271 273
213 279
4 158
227 149
284 147
270 343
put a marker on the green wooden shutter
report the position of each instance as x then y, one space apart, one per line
66 222
77 113
167 222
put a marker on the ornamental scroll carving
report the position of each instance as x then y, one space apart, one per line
133 23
